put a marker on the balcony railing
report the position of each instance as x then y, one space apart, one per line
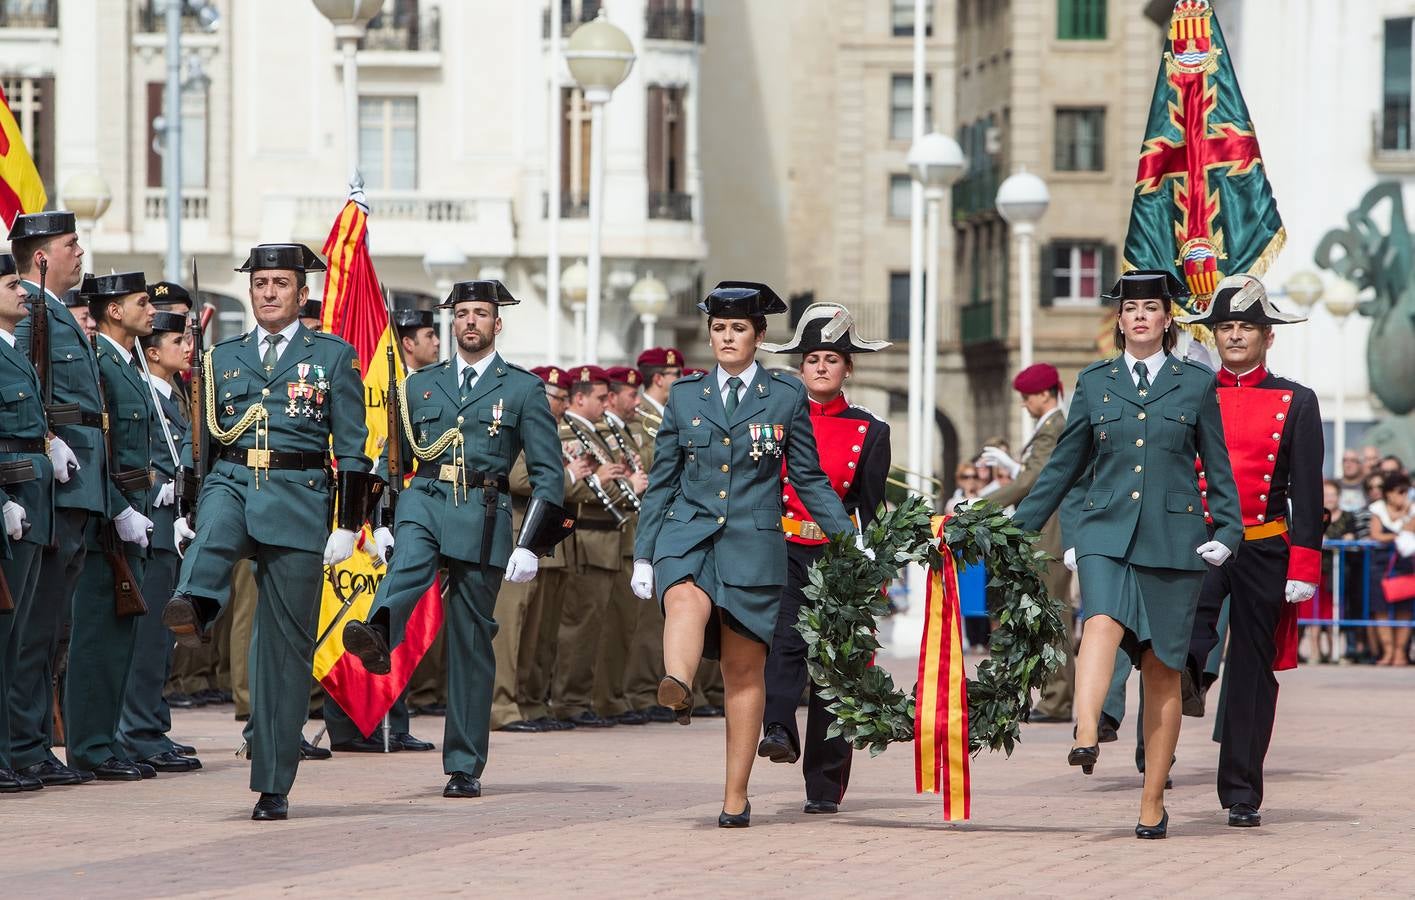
568 20
572 206
977 193
196 206
152 18
670 205
407 208
29 13
408 29
674 25
977 323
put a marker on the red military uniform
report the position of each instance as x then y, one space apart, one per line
844 434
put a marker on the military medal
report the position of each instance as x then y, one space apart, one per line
756 431
495 427
293 390
303 369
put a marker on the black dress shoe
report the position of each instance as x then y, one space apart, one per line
1244 815
210 696
675 694
547 723
1037 717
630 717
661 714
776 745
183 619
462 786
432 709
310 751
1085 757
408 742
183 749
521 726
735 820
590 719
9 781
370 644
1153 832
821 807
367 745
709 712
271 808
52 772
145 770
181 701
1108 732
172 761
114 769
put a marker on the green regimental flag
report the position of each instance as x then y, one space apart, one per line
1203 207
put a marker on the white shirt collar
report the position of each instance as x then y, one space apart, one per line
7 336
288 333
126 354
1152 365
480 367
613 419
574 415
748 375
163 386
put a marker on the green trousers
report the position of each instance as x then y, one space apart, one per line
22 575
428 686
470 625
146 718
100 657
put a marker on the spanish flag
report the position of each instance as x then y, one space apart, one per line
21 189
354 310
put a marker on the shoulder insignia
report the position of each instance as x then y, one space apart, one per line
356 366
1099 364
866 410
233 339
522 369
685 379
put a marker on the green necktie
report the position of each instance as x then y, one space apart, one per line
729 399
272 342
1142 376
469 375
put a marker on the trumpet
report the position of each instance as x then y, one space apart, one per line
587 441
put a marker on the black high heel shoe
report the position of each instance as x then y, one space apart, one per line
1153 832
683 706
735 820
1085 757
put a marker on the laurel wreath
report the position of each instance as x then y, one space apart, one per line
1025 649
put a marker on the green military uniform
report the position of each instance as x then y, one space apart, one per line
309 396
457 513
1141 519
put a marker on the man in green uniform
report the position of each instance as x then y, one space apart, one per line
276 398
80 471
26 495
467 421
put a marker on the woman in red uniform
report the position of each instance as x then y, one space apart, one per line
854 454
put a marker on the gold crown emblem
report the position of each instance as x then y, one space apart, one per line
585 374
554 376
161 290
672 358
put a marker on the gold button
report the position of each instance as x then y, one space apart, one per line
864 428
460 420
851 464
1286 398
845 484
722 495
785 497
670 514
1139 469
726 441
1267 478
790 514
1261 519
1141 417
1139 442
1189 508
1262 496
1276 436
1092 503
1134 495
228 395
1281 416
1183 419
1271 457
265 392
720 520
1203 474
311 482
724 467
1203 493
22 394
854 449
785 480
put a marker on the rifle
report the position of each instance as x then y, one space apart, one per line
127 598
39 338
393 446
189 481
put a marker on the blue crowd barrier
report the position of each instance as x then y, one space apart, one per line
1344 555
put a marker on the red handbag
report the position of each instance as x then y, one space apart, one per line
1397 588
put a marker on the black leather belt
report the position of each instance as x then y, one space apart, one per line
130 481
475 479
13 445
275 459
582 525
70 414
17 471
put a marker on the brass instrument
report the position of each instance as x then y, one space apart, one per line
626 446
596 486
586 439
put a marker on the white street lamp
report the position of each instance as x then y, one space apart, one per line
600 56
1340 301
88 197
1304 289
350 19
443 261
574 287
649 298
1022 200
936 162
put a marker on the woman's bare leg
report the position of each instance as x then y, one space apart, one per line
1095 663
685 615
743 661
1162 717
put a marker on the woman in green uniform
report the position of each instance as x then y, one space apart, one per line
710 523
1137 423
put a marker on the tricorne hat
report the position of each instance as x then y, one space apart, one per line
313 308
1241 298
168 323
100 290
413 318
741 300
487 291
1147 284
826 326
7 265
295 257
43 224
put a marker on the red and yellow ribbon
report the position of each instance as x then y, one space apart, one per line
941 703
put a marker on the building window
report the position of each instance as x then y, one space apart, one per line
901 18
32 103
899 305
1080 140
1078 272
901 106
388 142
29 14
901 196
574 153
667 127
1395 87
1080 20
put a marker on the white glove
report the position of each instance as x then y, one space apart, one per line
166 495
339 547
1300 591
522 566
1001 460
14 520
381 549
1405 543
1214 553
64 460
642 581
860 545
1068 558
133 527
182 532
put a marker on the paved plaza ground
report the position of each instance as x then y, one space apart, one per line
631 812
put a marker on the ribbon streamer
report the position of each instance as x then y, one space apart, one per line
941 703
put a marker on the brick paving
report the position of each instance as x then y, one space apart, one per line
631 812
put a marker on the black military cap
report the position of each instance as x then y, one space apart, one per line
295 257
118 284
742 300
1147 284
168 323
478 292
43 224
168 293
312 309
7 265
413 318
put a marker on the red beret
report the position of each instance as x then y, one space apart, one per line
695 371
660 358
624 375
585 374
1036 378
552 375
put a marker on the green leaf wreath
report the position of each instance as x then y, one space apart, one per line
839 629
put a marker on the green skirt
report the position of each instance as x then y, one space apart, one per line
749 611
1156 606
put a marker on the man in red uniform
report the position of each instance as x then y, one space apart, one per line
1274 434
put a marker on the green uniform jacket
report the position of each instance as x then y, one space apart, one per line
132 422
435 405
74 373
1142 504
705 482
286 507
22 418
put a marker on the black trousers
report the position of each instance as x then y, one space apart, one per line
1255 580
825 762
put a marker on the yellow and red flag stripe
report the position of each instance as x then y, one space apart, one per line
21 188
941 701
354 309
